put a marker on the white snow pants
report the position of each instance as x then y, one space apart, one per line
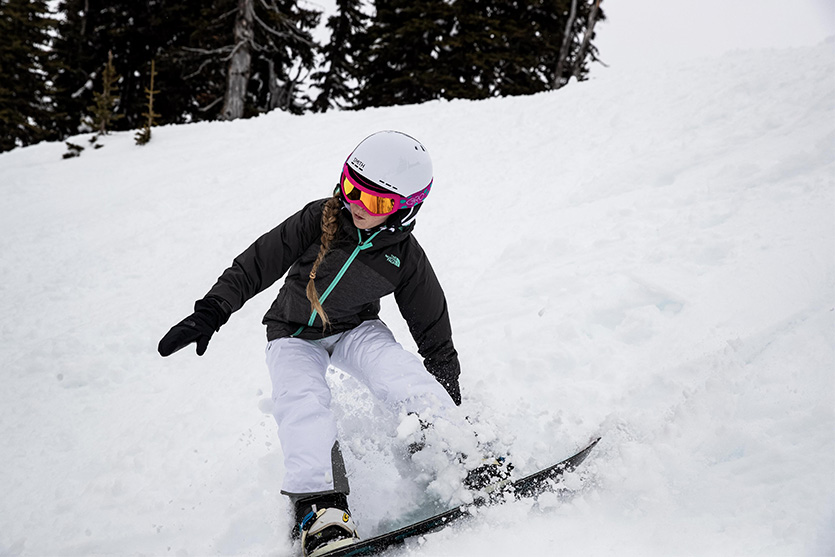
302 398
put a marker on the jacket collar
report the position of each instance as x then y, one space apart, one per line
388 234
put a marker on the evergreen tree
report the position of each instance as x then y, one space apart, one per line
203 58
143 136
136 32
276 37
401 64
286 57
25 67
106 100
473 49
587 50
86 34
512 48
173 25
340 54
492 48
534 44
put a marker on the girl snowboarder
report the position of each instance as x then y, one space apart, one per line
341 255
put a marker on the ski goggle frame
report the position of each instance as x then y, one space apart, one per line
377 203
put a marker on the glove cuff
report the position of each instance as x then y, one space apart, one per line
213 310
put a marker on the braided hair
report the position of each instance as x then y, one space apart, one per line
330 226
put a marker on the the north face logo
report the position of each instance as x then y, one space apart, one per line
393 259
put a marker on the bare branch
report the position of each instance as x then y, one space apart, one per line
292 31
221 50
271 7
227 14
198 70
210 105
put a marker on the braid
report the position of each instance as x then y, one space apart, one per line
330 215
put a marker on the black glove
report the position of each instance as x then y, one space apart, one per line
198 327
454 390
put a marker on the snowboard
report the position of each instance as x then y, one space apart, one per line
529 486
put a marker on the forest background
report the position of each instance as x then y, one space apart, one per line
74 66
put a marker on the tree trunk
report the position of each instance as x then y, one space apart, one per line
274 88
581 54
240 62
567 37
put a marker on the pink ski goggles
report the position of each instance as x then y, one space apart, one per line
377 203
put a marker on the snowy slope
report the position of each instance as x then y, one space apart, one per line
644 256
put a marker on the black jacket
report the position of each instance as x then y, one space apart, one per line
382 261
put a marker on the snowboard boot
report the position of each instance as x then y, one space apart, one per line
324 523
491 479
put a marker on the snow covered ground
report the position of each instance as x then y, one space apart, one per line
648 256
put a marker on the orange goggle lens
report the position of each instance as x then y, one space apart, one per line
375 204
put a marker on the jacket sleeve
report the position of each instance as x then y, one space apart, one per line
268 258
423 305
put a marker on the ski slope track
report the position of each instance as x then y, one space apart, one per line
646 256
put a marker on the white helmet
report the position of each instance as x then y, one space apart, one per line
393 161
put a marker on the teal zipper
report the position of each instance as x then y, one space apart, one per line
360 246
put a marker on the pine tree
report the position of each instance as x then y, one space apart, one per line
257 68
428 49
401 65
491 50
587 50
339 71
86 34
25 67
576 49
536 44
512 45
173 25
143 136
136 31
106 101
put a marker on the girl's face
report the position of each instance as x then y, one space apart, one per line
363 219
